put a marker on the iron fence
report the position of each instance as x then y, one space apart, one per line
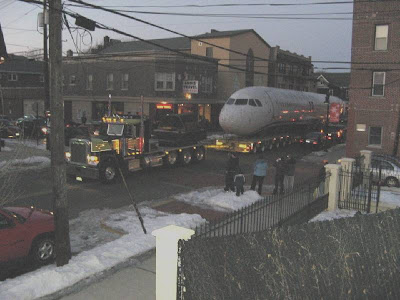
300 205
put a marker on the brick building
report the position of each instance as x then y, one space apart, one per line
374 112
21 87
291 71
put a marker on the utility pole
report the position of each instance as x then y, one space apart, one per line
46 61
60 205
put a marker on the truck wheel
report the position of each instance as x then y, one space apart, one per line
283 143
270 146
392 182
43 250
171 158
186 157
199 154
108 172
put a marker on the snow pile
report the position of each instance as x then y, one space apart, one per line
331 215
218 199
38 161
50 279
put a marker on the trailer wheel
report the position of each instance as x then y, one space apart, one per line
283 143
108 172
171 158
270 145
186 157
199 154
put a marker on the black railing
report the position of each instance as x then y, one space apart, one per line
300 205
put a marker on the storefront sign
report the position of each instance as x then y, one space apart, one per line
190 86
163 106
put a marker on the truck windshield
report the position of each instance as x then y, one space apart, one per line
115 129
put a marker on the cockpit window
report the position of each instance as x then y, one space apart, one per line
241 102
258 102
252 102
230 101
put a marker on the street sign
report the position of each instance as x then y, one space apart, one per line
190 86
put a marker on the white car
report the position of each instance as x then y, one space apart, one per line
390 170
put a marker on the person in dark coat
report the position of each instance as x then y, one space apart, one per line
280 170
231 168
322 187
84 119
290 170
260 171
239 181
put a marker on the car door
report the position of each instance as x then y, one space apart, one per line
12 239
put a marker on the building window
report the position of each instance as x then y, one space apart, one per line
290 69
110 81
290 87
209 51
207 85
12 77
375 136
282 68
331 92
72 80
164 82
125 81
381 37
41 78
89 82
378 84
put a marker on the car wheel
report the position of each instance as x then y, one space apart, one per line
43 251
392 182
199 154
186 157
171 158
108 172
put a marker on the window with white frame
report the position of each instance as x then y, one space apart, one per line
72 80
207 85
381 37
89 82
110 81
375 136
378 83
12 77
164 82
125 81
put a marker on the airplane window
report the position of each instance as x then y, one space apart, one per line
252 102
241 102
230 101
258 102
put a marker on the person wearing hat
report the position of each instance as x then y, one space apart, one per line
289 174
231 169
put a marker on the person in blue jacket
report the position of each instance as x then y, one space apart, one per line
260 171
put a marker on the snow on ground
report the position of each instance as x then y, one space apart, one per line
331 215
6 149
333 155
37 284
216 198
40 144
37 161
390 196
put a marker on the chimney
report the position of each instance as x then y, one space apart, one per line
70 53
214 31
106 41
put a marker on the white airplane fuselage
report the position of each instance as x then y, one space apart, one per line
252 109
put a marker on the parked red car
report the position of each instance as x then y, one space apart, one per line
26 232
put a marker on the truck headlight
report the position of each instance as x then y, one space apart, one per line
93 160
68 156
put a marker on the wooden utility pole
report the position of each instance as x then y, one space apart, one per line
60 205
45 60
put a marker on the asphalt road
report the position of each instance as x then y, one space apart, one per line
35 187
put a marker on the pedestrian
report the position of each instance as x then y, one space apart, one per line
231 168
260 171
280 170
289 175
83 119
239 181
322 187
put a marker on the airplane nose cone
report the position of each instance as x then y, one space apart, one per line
232 120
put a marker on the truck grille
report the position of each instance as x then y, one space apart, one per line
78 152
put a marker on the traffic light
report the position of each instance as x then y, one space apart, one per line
3 50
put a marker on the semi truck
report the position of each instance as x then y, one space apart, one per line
125 144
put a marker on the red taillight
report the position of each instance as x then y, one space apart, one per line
315 143
141 142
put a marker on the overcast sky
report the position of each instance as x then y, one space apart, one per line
323 39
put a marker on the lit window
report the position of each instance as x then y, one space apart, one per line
125 81
89 82
164 82
72 80
378 85
375 136
110 81
12 77
381 37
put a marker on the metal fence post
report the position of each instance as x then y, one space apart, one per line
167 259
334 178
